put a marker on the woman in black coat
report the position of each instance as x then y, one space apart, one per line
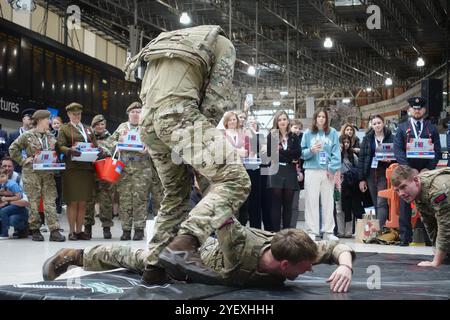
372 173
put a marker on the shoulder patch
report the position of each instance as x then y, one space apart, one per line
439 198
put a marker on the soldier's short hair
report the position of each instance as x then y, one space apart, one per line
402 173
293 245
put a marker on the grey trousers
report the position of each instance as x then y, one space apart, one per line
376 182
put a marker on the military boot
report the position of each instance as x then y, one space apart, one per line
154 275
126 235
88 231
107 233
182 261
37 235
138 234
55 235
57 264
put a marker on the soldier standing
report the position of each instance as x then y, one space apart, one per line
240 256
419 132
103 191
136 176
430 191
38 183
185 89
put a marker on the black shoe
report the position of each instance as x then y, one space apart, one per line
404 244
107 233
154 275
126 235
88 231
37 235
138 234
20 234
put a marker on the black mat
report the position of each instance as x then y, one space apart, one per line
400 279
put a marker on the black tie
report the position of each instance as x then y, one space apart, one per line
418 127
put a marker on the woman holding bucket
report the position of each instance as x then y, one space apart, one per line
136 178
78 178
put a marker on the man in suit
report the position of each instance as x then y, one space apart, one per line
26 125
416 127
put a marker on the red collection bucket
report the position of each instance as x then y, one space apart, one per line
99 166
111 169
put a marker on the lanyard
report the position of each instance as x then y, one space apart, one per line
81 130
41 141
414 128
377 145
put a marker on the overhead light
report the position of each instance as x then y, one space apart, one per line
346 100
276 103
444 93
328 43
388 82
284 93
420 62
251 70
185 19
368 89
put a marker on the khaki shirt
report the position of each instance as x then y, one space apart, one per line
433 204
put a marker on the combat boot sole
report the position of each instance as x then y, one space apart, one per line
179 266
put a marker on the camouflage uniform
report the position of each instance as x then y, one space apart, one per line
37 184
433 203
185 92
134 183
103 195
234 254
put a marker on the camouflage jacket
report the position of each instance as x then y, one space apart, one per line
237 256
130 158
433 204
32 142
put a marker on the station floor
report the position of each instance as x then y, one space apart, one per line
21 260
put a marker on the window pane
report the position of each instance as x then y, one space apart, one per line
3 47
12 72
49 76
70 97
60 80
87 89
38 73
26 52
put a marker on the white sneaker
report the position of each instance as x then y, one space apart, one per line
330 237
312 236
4 238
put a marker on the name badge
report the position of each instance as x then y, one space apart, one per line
420 149
374 164
323 158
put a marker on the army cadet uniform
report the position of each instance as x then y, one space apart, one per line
103 192
134 183
38 183
433 203
185 89
406 131
234 255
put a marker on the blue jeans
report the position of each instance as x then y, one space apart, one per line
15 216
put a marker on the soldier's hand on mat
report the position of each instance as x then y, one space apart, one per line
427 264
340 279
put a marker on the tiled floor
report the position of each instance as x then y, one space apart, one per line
21 260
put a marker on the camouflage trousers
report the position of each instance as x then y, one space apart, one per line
155 188
37 185
108 257
104 196
133 189
195 143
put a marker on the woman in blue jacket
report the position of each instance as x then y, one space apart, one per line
321 152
